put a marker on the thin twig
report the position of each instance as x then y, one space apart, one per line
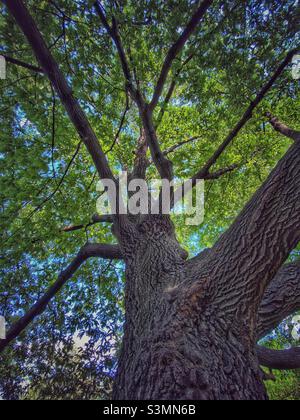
120 126
22 64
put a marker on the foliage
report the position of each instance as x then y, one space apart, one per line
234 52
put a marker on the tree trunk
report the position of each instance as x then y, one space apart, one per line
177 345
191 326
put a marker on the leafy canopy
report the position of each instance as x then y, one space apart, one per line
233 53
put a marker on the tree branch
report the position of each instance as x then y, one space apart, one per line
88 251
171 90
22 64
176 146
51 68
141 162
166 102
180 144
283 129
245 118
248 256
279 359
61 181
221 172
120 126
53 134
162 164
281 299
176 49
95 219
186 61
114 33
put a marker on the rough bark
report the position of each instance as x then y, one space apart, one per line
190 328
177 47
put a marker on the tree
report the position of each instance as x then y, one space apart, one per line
139 76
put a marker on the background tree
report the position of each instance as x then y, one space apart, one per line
154 88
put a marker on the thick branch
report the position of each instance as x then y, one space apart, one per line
88 251
171 90
248 256
176 49
51 68
281 299
141 162
245 118
163 165
279 359
283 129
